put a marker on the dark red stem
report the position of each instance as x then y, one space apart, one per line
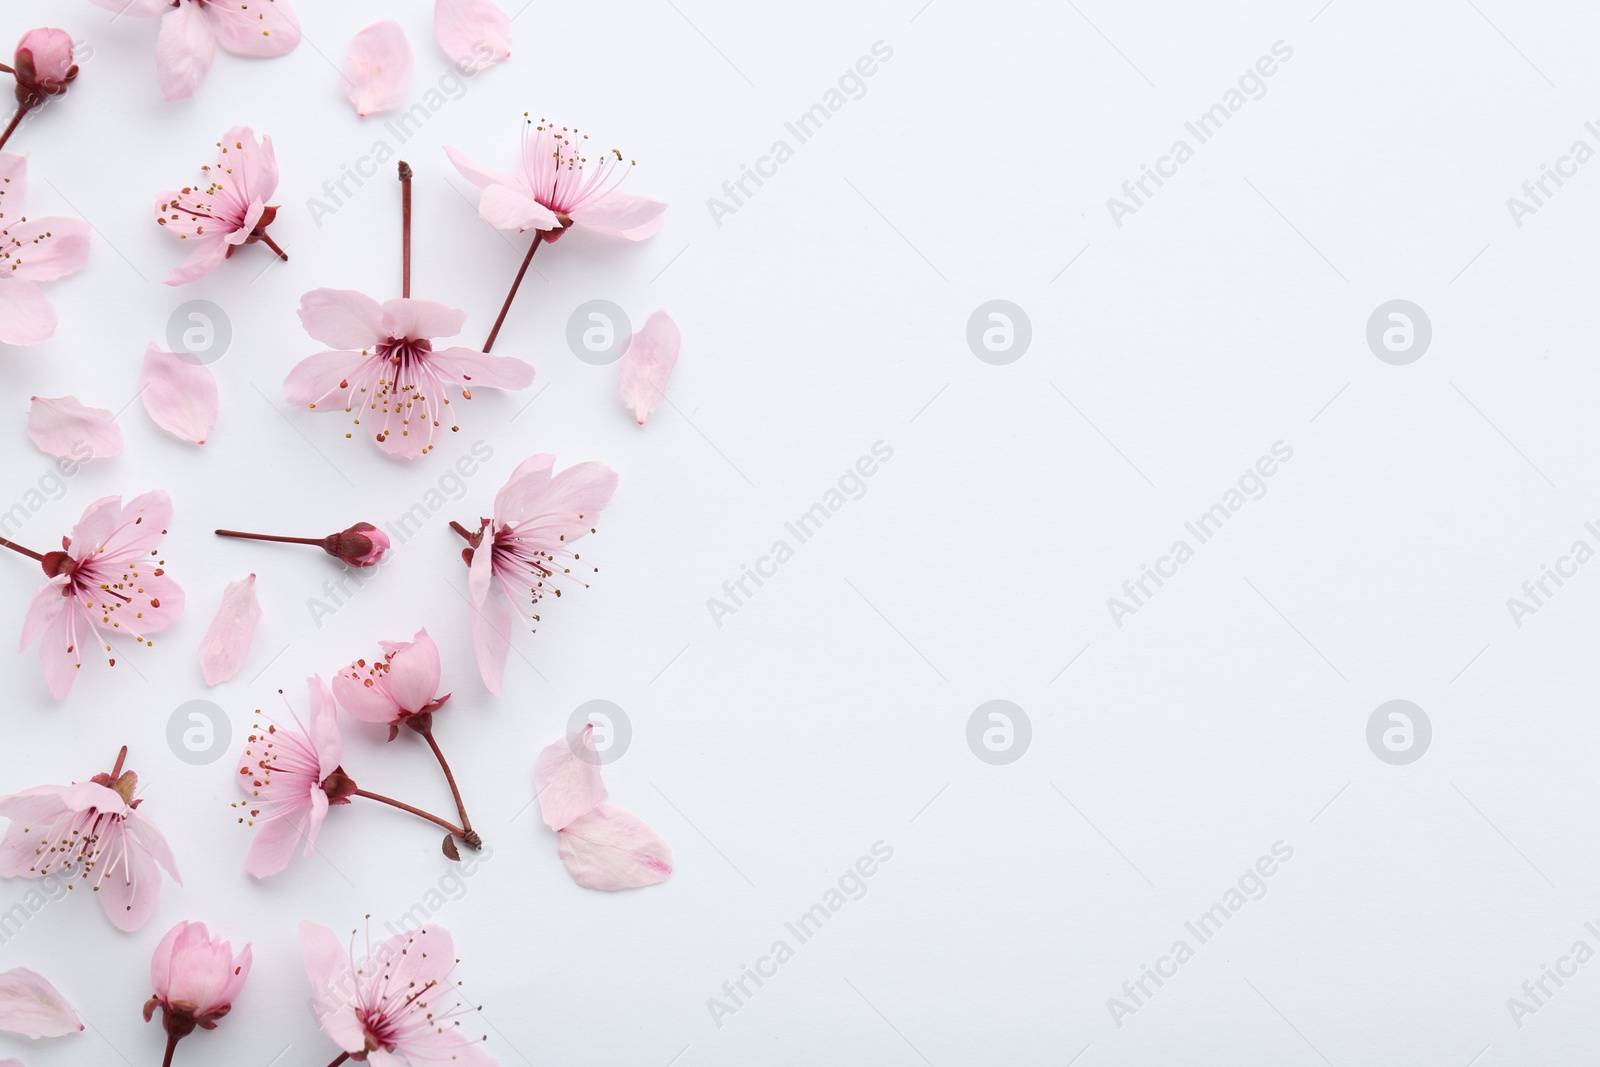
527 261
270 243
461 808
342 1057
16 120
418 812
271 537
13 546
5 69
405 228
116 771
172 1046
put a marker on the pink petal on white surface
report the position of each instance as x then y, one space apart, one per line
377 68
260 28
509 207
475 34
622 215
180 396
647 363
32 1007
62 427
342 319
566 777
185 47
611 848
227 643
26 317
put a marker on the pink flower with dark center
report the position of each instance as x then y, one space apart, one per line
92 829
107 579
292 776
401 689
523 552
196 979
383 367
191 30
400 1007
230 211
44 65
32 251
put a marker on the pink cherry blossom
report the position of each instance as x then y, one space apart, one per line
229 211
62 426
647 363
377 68
191 30
603 846
195 978
227 640
382 366
475 34
557 185
44 65
95 829
32 250
400 1007
395 690
522 553
107 579
31 1007
291 777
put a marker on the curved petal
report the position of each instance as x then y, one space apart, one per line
612 848
491 634
47 605
180 396
227 640
126 880
42 250
324 728
34 1008
475 34
158 604
276 841
26 317
566 778
524 485
511 207
206 255
63 427
61 648
566 507
261 28
647 363
333 986
414 673
621 215
342 318
184 50
377 68
369 703
325 376
421 319
471 367
468 170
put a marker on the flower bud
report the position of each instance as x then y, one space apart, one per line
362 545
44 65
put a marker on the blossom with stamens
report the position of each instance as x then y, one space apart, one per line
523 552
191 30
383 368
400 1007
93 832
107 579
32 251
292 776
401 689
229 211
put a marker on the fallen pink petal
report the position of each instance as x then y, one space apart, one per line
647 363
226 644
63 427
32 250
566 779
31 1007
377 68
611 848
475 34
179 396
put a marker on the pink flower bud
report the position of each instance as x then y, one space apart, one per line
362 545
44 65
196 978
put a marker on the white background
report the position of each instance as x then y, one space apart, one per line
828 313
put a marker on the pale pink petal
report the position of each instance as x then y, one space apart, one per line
377 68
145 835
206 255
60 648
34 1008
342 318
26 317
510 207
42 250
566 777
324 727
523 489
184 50
492 619
46 606
564 508
472 368
414 673
126 880
647 363
424 319
317 379
611 848
261 28
621 215
154 589
61 427
475 34
469 170
276 841
180 396
136 8
227 640
333 986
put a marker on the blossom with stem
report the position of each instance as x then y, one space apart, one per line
555 187
107 578
229 211
96 831
361 545
195 978
43 67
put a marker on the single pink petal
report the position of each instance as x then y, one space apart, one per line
612 848
621 215
425 319
475 34
323 380
377 68
206 254
369 703
342 318
414 673
34 1008
184 50
566 777
45 249
260 28
469 170
474 368
62 427
511 207
334 986
227 641
151 619
564 507
129 885
647 363
276 841
492 619
26 317
180 396
324 726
